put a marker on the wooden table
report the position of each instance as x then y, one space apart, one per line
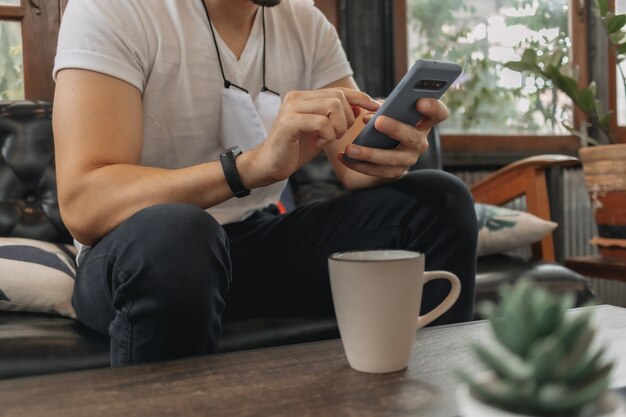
598 267
311 379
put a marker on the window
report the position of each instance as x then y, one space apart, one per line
482 35
11 61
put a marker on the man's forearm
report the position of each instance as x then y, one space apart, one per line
106 196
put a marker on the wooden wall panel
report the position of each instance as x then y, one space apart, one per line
400 47
330 8
579 27
40 30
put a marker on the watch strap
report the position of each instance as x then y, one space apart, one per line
228 161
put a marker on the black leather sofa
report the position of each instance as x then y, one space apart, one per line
34 344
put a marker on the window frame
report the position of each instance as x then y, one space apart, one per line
40 21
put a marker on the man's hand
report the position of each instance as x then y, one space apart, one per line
307 121
393 163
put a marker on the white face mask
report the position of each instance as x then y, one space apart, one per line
246 123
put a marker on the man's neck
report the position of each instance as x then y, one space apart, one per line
233 19
236 14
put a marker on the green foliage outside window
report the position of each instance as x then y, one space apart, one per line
11 62
490 98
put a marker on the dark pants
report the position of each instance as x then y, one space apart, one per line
158 284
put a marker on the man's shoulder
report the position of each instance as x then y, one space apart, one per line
302 13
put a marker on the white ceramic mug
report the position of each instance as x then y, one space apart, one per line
377 296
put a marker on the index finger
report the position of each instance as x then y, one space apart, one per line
361 99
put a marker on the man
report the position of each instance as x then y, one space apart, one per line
151 98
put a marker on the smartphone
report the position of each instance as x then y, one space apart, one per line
425 79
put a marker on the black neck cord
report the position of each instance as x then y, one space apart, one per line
228 84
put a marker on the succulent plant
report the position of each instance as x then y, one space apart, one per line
545 364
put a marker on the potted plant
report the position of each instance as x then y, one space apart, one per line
544 363
604 166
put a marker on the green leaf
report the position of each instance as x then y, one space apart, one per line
519 66
549 320
599 374
581 369
502 365
545 356
603 7
573 399
604 121
617 37
511 332
587 101
502 394
578 351
571 333
603 117
621 48
566 84
530 56
615 23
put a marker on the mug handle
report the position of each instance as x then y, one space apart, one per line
447 302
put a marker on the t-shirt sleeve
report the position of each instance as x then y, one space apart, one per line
330 63
106 37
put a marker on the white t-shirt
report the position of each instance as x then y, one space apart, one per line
165 49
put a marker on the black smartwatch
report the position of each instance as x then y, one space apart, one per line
230 171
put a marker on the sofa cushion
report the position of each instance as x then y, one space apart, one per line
501 229
36 276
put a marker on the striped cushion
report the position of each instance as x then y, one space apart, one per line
36 276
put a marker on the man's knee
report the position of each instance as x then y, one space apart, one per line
180 251
451 196
176 226
439 184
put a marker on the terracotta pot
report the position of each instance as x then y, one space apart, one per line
605 177
469 406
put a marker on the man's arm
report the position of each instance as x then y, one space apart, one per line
98 133
381 166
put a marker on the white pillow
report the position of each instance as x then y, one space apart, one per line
36 276
501 229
